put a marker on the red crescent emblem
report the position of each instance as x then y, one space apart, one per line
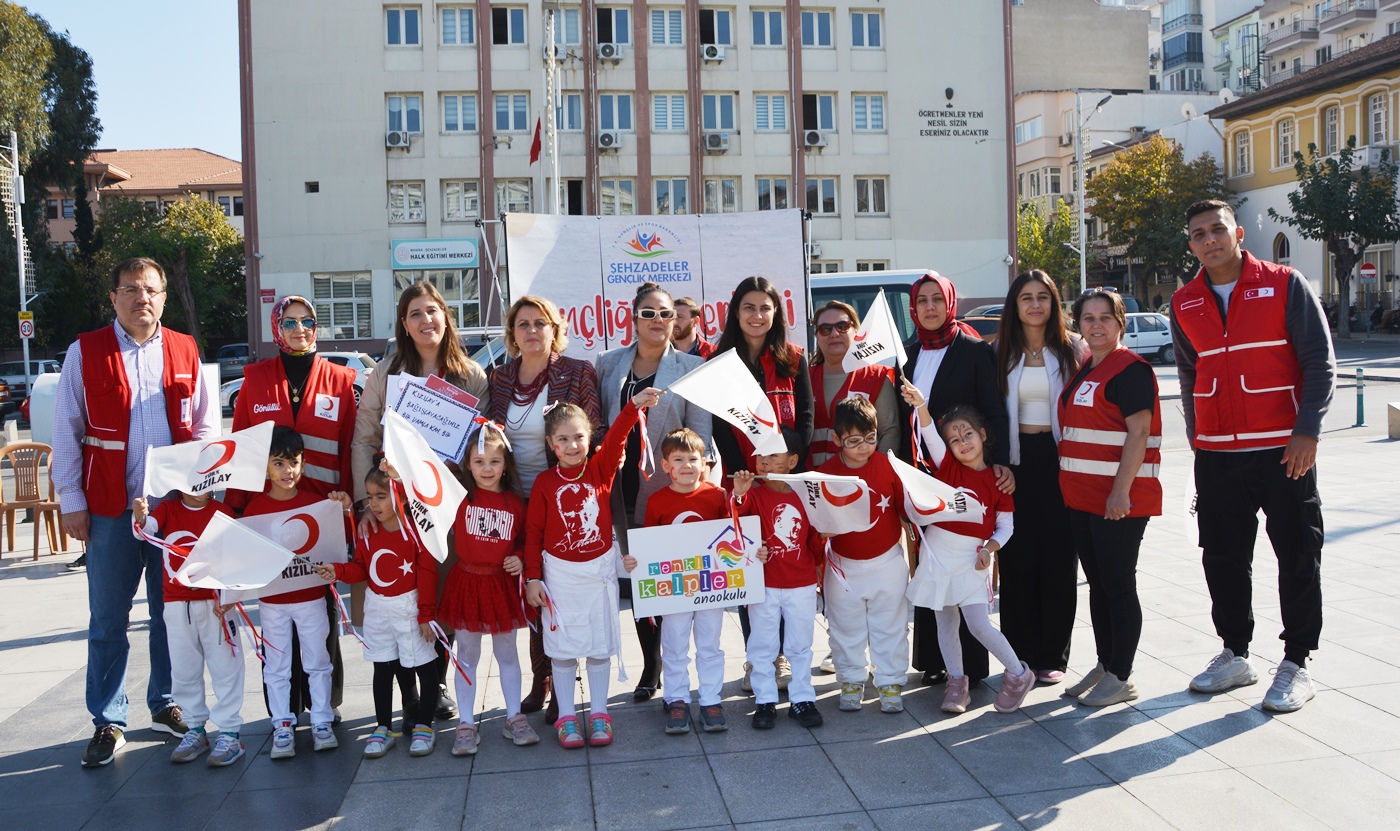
313 532
859 338
941 506
229 446
327 403
436 499
839 501
772 424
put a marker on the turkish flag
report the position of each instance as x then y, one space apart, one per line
536 144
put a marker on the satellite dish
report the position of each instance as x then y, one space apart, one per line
1226 95
1188 110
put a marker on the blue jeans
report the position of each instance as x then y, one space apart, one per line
116 561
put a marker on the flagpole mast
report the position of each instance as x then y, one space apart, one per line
551 91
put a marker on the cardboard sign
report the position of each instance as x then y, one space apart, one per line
693 566
445 422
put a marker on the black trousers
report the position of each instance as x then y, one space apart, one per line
1231 489
1108 551
1039 569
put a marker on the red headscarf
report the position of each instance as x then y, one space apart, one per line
941 337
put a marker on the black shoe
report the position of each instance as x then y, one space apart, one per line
78 564
170 720
806 714
104 745
446 707
765 717
643 693
936 677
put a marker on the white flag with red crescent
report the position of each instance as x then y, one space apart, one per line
432 492
238 461
230 555
315 531
928 500
724 386
835 504
877 340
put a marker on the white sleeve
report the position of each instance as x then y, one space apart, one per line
149 526
203 415
934 442
1005 525
69 427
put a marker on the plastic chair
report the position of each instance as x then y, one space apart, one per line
25 459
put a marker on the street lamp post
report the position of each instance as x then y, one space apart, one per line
1080 123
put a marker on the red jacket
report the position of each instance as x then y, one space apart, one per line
107 398
182 526
393 566
1248 379
866 382
1094 431
325 420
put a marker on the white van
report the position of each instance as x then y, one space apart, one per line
858 288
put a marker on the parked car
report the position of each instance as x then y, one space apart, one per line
13 374
858 288
7 403
232 358
1150 335
472 339
358 361
989 310
988 326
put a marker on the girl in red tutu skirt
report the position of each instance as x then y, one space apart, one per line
482 596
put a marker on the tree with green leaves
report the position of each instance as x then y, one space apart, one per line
1347 208
1142 195
23 79
1043 238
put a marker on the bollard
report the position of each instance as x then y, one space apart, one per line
1360 398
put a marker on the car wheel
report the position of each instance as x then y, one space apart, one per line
358 392
1166 355
233 403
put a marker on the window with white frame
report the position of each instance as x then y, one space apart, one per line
405 112
617 197
459 112
1029 130
230 205
772 193
816 28
459 288
667 27
767 27
1285 141
343 305
717 111
461 200
1034 180
717 27
401 25
872 265
870 195
1331 131
821 195
406 203
513 195
458 25
671 196
819 111
1052 180
567 31
508 25
1376 108
826 266
512 112
668 112
869 112
867 30
569 116
770 112
615 111
721 195
614 24
1242 159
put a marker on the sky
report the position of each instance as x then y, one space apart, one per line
166 70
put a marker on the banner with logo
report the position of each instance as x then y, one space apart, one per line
431 492
724 387
928 500
228 555
877 340
237 461
695 565
316 532
835 504
591 266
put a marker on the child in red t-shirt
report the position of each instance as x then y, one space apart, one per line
865 603
955 555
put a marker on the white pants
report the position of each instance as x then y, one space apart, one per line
797 610
391 630
675 655
312 627
196 639
869 609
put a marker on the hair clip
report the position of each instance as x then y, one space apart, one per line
484 423
549 407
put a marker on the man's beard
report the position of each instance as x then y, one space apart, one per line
684 330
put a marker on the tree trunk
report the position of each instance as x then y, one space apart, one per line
180 284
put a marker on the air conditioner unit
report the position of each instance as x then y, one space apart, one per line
813 138
814 249
555 52
1067 139
711 52
716 142
609 140
610 52
396 138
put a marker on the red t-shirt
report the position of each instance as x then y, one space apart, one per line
264 504
669 507
794 546
490 527
886 504
181 525
983 484
393 566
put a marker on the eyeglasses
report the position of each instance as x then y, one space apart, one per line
652 314
290 324
842 326
133 292
852 442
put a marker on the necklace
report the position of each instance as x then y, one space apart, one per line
296 392
582 469
529 405
526 394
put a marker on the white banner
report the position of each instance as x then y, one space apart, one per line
433 493
835 504
316 532
695 565
238 460
929 500
877 340
230 555
723 386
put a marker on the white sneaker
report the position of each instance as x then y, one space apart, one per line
1292 688
828 664
782 672
192 746
851 695
423 742
323 737
284 743
1226 671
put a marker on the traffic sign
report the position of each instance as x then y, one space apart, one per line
1368 271
26 324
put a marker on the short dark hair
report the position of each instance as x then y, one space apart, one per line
793 442
854 414
135 265
682 439
1112 298
1208 205
286 444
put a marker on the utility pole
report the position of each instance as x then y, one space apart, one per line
15 189
1080 122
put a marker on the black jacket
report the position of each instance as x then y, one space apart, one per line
968 375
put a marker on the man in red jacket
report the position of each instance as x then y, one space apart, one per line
1257 374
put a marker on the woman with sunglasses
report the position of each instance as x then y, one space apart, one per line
651 361
836 325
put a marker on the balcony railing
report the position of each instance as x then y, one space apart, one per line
1301 29
1183 21
1343 13
1223 61
1292 71
1184 58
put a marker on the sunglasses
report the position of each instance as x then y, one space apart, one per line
852 442
652 314
290 324
843 326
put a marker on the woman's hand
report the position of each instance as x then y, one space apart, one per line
1118 505
1006 480
368 524
534 594
743 480
513 565
648 397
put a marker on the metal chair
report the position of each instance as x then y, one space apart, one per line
25 459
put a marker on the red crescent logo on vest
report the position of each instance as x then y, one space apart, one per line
941 506
759 419
840 501
313 531
229 446
327 403
436 499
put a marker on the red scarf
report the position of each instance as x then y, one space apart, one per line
941 337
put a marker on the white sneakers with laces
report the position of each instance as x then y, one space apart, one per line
1292 688
1225 671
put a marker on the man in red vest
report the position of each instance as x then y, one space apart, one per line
124 388
1257 375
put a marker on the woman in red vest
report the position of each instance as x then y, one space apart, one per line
1110 454
836 325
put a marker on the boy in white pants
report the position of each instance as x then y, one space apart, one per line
867 572
198 634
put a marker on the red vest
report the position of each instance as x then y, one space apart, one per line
325 419
1094 431
780 394
865 381
1248 380
107 398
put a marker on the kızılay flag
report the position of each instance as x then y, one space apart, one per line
877 340
433 494
315 532
723 386
835 504
230 555
237 461
928 500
